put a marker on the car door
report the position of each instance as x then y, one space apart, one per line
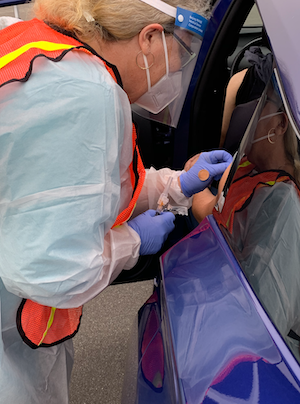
199 126
219 339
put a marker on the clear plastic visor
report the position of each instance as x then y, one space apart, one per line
183 48
182 52
259 210
270 133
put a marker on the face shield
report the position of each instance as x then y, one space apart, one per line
269 134
260 128
164 100
258 210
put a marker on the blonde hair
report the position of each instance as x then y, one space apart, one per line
113 19
291 151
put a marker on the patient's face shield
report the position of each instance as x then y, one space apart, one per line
260 132
183 45
269 105
259 211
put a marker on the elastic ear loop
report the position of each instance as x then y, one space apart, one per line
166 58
270 115
166 52
147 72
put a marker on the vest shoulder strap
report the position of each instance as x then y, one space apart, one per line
19 48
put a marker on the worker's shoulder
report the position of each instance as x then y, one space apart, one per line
78 75
81 66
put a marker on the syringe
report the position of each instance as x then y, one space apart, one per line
163 200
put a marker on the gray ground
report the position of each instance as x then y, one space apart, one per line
23 10
101 344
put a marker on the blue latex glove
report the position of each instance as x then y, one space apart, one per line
153 230
209 166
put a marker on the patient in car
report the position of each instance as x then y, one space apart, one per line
242 94
261 216
243 89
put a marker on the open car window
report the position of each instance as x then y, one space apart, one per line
259 211
253 19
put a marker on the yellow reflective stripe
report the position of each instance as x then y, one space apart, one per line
43 45
50 321
270 182
245 164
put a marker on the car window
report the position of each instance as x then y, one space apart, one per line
260 216
253 19
250 35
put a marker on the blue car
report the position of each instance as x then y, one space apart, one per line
223 323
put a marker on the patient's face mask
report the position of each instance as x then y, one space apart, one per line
269 115
164 91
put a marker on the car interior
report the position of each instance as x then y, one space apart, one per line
225 57
200 124
199 128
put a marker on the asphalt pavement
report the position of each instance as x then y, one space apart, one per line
102 341
22 11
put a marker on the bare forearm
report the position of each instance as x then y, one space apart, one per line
203 204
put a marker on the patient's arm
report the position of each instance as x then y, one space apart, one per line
203 204
204 201
189 164
230 102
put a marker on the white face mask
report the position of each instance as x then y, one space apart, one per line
164 91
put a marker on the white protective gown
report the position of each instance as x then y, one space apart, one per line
65 148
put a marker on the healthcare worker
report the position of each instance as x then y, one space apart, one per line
71 174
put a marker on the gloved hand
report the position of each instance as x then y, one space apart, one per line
153 230
209 166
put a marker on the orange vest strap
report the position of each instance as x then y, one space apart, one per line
138 174
18 41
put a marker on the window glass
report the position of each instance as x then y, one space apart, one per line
261 214
253 19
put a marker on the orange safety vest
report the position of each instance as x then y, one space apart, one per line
39 325
243 188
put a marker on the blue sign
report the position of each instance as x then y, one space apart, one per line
191 21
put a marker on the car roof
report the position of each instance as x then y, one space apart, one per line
281 20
